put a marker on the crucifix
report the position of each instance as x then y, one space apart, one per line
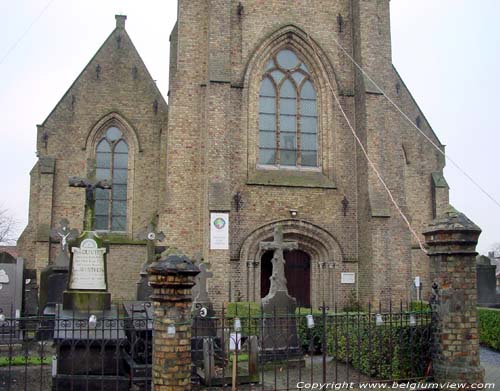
90 185
151 236
65 235
278 245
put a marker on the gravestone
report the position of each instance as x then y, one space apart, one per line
11 296
88 330
30 299
486 283
279 330
203 325
54 278
151 236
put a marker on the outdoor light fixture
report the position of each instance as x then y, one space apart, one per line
92 321
310 321
379 321
294 212
237 324
171 329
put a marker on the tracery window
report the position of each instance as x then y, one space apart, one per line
288 130
112 164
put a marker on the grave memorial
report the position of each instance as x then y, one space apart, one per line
203 326
487 295
279 330
11 297
151 236
88 329
54 278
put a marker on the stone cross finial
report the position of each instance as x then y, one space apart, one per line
151 236
278 245
201 293
90 184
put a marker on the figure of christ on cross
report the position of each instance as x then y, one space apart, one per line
90 185
278 245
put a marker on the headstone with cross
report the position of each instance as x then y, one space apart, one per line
151 236
54 277
279 330
203 326
86 300
87 283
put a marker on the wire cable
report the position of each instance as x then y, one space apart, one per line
452 161
365 153
25 32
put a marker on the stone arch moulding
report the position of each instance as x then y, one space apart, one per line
110 119
316 241
303 43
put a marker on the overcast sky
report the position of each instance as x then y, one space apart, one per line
447 51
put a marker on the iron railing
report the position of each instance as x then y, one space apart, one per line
238 344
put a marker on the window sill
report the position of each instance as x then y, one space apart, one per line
290 178
115 237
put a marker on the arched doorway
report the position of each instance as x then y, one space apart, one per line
297 273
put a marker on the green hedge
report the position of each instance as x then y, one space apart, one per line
392 350
489 327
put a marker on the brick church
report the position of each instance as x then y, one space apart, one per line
252 137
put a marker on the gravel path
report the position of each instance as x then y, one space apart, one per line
490 360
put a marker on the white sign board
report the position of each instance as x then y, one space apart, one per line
348 278
417 282
87 271
219 231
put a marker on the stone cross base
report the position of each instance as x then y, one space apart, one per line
86 301
279 328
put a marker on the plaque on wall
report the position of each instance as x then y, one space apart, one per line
348 278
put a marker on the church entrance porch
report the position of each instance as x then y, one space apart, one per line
312 267
297 273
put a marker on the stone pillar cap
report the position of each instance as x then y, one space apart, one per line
451 220
120 21
174 264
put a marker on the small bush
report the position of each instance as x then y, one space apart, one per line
489 327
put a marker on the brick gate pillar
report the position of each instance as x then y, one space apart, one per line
452 240
172 280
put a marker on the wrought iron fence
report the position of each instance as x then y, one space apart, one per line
238 344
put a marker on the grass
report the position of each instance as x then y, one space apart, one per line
22 360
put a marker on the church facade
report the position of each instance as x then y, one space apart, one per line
254 134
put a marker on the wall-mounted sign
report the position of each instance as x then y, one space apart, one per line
219 231
348 278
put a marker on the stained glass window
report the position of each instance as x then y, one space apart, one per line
287 113
112 164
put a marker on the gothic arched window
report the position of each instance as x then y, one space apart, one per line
112 164
288 130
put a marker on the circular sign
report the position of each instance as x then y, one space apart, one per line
203 312
151 236
219 223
